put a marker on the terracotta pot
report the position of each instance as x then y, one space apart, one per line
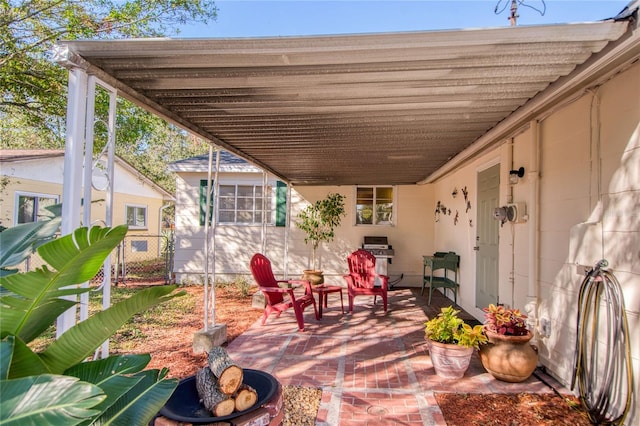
509 358
450 361
314 277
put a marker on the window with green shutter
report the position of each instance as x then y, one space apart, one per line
244 204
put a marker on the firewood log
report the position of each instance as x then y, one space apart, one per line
229 374
246 397
218 403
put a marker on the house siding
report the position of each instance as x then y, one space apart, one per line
589 208
411 236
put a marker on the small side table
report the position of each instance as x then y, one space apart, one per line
323 290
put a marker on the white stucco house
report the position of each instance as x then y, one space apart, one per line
445 126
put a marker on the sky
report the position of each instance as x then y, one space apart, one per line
265 18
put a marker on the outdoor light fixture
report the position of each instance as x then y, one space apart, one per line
516 175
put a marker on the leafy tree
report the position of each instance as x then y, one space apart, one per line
33 103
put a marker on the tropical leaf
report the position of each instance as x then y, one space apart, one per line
47 400
24 362
98 371
77 343
19 242
12 316
83 252
142 402
76 256
114 375
6 353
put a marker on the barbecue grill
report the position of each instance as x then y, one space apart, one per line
379 247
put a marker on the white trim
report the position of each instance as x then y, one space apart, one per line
16 204
137 206
394 208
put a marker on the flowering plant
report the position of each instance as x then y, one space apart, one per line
448 328
508 322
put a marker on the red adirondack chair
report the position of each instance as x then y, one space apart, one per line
275 295
362 276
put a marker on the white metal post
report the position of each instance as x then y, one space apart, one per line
88 168
111 154
72 179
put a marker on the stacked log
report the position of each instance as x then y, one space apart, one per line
220 385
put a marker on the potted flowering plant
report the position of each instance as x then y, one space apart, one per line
508 356
452 342
508 322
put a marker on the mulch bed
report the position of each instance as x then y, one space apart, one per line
524 409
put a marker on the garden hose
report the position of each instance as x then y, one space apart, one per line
602 367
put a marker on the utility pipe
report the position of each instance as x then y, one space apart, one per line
533 175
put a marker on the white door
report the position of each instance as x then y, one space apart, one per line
487 237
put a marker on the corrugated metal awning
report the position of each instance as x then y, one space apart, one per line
351 109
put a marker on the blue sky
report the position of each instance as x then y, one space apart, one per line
250 18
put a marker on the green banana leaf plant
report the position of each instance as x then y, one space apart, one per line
19 242
59 385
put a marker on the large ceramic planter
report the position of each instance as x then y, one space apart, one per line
449 361
313 276
509 358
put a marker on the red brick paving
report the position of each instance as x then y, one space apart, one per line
373 367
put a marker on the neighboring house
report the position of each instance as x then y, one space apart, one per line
32 180
239 222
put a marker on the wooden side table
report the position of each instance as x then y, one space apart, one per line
323 290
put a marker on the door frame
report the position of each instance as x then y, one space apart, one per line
485 166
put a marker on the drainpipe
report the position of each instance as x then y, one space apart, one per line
533 288
164 206
509 191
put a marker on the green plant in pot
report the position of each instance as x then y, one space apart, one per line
508 356
319 221
452 342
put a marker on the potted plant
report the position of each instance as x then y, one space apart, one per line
452 342
318 221
508 356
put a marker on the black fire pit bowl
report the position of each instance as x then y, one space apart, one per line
184 404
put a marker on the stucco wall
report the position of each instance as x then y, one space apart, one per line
44 176
589 185
410 237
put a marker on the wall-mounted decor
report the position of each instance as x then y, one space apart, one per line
455 219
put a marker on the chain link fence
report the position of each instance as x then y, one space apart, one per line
138 259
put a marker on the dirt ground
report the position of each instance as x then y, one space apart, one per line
173 349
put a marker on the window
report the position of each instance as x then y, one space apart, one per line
139 246
242 204
136 217
374 205
32 207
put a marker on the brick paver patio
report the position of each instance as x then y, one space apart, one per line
373 368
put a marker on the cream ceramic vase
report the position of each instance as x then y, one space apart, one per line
509 358
450 361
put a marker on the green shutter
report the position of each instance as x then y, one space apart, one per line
281 203
203 201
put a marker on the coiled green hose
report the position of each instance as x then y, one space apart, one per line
603 367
